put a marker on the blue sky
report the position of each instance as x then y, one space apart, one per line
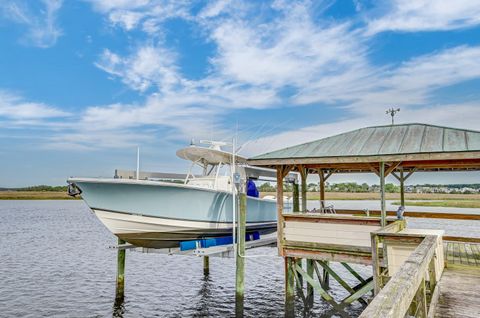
82 83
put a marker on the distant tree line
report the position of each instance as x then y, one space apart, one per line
334 187
43 188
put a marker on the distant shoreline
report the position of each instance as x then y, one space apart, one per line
36 195
413 199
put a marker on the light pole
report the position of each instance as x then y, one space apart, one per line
392 111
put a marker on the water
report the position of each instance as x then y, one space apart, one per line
55 262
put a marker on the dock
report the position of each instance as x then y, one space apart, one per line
416 272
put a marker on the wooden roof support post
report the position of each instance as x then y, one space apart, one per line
282 171
295 197
402 188
383 220
321 174
402 177
303 177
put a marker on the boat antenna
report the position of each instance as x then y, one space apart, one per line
392 111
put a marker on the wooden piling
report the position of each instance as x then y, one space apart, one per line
240 259
296 209
120 289
206 265
289 287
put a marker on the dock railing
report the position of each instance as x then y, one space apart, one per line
412 291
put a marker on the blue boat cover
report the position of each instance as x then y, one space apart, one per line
252 190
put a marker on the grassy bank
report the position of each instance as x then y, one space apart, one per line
444 203
35 195
389 196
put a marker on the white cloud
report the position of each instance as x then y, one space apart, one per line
148 66
426 15
16 108
150 14
257 58
42 28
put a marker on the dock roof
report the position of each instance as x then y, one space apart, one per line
381 143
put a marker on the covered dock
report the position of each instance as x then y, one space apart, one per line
408 265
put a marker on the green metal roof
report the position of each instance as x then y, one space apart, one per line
384 140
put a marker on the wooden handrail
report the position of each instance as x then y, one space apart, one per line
413 214
395 298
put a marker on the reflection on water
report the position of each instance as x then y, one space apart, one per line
55 261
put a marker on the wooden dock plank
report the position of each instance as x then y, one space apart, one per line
470 256
461 253
449 257
456 253
459 293
476 252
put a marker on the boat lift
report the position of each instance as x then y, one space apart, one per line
222 251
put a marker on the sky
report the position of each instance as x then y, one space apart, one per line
83 83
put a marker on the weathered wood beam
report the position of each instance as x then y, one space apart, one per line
332 218
393 173
409 174
365 288
472 155
374 169
392 167
350 257
316 285
382 194
295 198
282 171
321 175
402 188
377 283
299 282
353 272
412 214
303 188
342 282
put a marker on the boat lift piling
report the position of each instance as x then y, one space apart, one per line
240 255
206 265
120 287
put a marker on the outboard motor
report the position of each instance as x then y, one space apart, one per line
73 190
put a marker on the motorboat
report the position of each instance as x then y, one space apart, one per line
157 210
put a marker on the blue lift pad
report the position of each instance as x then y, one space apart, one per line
215 241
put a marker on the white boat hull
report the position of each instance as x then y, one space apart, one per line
155 232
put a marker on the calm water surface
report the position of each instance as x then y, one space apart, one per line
55 262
